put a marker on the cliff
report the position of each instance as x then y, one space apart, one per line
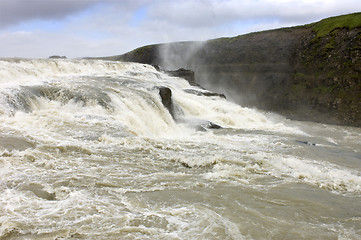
310 72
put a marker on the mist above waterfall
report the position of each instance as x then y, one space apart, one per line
179 55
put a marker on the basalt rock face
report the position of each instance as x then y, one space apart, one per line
184 73
327 77
166 96
202 92
297 72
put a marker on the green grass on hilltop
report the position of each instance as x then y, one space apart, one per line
322 28
325 26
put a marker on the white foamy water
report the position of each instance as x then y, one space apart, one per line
88 151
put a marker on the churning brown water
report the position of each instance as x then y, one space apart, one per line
87 151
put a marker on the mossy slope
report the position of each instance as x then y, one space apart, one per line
325 26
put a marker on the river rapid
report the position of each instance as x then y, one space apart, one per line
88 151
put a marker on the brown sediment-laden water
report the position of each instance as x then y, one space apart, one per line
89 151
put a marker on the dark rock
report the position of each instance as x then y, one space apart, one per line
166 96
306 142
57 57
185 165
210 125
204 93
183 73
206 125
157 67
212 94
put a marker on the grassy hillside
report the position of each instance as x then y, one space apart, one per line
325 26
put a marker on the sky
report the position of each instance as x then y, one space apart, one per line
94 28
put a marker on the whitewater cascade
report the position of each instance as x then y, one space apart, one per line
127 93
89 150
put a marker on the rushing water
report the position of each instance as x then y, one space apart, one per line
88 151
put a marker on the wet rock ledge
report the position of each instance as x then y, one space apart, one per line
165 94
184 73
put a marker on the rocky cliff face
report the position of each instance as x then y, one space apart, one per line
311 72
326 77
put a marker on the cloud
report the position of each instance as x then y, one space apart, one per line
218 12
77 28
17 11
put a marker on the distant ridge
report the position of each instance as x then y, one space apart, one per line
310 72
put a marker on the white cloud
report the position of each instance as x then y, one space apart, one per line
110 27
17 11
